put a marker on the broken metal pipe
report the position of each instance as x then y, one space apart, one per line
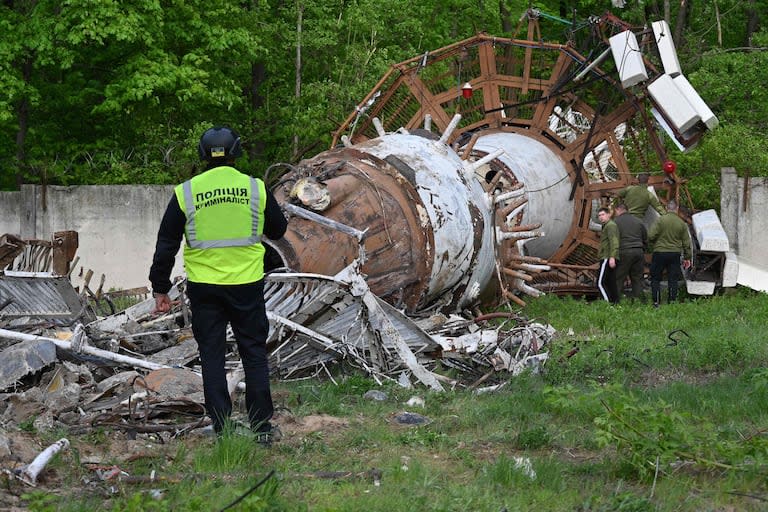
29 474
84 349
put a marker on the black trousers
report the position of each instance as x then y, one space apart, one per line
606 283
661 261
242 306
631 263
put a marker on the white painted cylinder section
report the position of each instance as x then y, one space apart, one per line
449 200
547 187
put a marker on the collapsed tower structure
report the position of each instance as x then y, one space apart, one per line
473 173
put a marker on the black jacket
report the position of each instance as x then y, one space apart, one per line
632 232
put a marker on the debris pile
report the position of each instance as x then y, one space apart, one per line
137 371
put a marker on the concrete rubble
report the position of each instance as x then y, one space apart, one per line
64 365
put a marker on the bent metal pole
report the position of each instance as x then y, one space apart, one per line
84 349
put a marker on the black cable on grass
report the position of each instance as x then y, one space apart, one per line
674 341
241 498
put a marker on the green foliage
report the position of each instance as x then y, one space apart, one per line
759 381
40 501
576 402
422 437
533 439
355 385
230 452
655 435
507 472
140 502
118 92
622 501
28 425
733 85
618 344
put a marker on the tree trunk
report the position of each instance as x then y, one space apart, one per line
753 22
682 21
506 18
258 76
667 16
719 25
297 87
22 116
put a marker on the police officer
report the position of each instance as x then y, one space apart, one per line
222 214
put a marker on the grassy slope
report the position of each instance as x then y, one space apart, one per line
657 410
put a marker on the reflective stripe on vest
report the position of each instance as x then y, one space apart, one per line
191 230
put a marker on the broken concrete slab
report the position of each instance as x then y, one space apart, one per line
730 270
171 383
67 397
25 358
177 355
117 380
709 232
20 407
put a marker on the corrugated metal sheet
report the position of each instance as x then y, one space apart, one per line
40 295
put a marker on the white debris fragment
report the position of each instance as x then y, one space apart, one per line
524 465
415 401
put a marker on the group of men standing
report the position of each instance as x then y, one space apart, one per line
624 241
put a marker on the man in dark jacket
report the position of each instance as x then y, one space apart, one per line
222 214
633 239
668 238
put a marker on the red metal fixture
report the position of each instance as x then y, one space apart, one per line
466 91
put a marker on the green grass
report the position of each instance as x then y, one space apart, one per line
641 417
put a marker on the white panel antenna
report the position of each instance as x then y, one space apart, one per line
706 114
666 45
629 60
673 103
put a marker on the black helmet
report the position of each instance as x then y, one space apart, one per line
219 143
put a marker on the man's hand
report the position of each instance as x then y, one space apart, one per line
162 302
686 264
612 262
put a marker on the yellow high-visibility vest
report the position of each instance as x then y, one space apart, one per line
225 220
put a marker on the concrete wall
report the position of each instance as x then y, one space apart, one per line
117 225
744 215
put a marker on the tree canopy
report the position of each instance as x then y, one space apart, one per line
101 91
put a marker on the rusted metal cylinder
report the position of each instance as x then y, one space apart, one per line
427 221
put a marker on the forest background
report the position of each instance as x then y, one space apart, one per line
107 92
